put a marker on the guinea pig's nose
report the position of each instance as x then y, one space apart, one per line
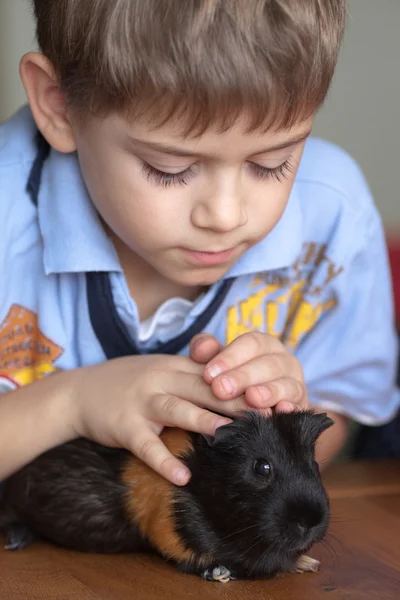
302 529
304 519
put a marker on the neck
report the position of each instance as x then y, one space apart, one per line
147 286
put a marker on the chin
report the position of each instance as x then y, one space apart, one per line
205 276
202 280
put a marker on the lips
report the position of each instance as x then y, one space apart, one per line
208 257
210 251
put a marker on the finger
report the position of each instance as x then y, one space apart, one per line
267 412
286 407
253 373
204 347
285 393
173 411
249 345
193 388
150 449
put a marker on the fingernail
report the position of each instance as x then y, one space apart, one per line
264 392
182 476
227 385
214 370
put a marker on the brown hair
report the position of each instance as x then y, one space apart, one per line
203 61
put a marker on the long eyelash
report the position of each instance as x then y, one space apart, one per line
278 173
167 179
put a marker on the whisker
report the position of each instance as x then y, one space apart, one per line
239 531
258 540
330 549
330 536
341 520
268 550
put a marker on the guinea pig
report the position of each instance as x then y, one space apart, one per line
254 505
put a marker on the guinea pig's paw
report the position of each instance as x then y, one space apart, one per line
220 573
17 536
306 564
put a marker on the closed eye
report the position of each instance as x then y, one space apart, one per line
278 173
164 179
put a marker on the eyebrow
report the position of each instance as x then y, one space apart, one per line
166 149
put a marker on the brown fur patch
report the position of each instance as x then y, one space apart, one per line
150 502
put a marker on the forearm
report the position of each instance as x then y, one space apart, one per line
332 440
34 419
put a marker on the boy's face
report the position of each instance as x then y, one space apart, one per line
187 208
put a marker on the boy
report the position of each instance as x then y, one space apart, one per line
171 245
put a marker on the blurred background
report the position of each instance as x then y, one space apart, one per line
361 113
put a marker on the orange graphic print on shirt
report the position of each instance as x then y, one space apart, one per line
26 354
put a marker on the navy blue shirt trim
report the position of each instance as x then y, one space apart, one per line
112 333
35 176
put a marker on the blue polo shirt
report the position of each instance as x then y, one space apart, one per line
319 281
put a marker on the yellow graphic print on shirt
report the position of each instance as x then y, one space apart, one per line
287 305
26 354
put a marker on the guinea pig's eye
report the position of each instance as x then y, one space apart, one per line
262 468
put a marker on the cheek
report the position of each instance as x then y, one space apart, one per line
129 205
268 205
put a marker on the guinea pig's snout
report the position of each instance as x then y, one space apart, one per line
302 527
306 522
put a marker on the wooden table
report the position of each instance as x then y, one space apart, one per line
361 562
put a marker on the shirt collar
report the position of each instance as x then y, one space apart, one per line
74 238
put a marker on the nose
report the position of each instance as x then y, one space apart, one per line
303 526
221 211
302 529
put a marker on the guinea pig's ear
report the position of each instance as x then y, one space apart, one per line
316 425
221 434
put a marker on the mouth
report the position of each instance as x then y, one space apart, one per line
305 545
209 258
300 548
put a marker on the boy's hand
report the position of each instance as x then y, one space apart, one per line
254 364
126 403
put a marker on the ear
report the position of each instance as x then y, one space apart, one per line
221 434
47 102
319 422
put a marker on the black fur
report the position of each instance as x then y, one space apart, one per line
73 496
256 527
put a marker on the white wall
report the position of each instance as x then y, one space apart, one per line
17 36
361 113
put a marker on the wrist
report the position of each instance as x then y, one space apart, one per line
68 407
79 390
56 409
